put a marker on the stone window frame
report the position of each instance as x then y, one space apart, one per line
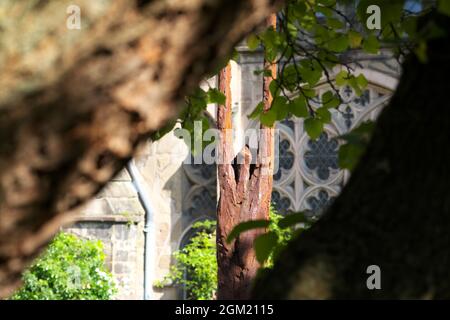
299 186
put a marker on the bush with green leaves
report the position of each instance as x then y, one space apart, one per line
281 229
70 269
195 266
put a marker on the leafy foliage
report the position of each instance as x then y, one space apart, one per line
310 42
194 112
280 230
70 269
309 47
245 226
356 143
195 265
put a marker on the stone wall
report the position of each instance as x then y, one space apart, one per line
116 217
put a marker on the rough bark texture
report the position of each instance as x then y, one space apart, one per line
76 104
245 191
395 210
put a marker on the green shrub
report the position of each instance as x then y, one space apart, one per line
195 265
283 236
70 269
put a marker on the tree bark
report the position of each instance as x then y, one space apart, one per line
245 192
395 210
76 104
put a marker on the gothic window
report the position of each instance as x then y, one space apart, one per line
199 190
281 203
188 273
322 156
308 177
318 203
200 198
286 158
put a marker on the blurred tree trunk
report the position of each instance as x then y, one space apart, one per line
245 192
76 104
395 210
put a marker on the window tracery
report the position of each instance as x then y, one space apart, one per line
308 176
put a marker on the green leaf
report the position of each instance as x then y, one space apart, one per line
253 42
342 78
330 100
271 53
421 52
324 10
290 77
313 127
357 140
353 82
257 111
323 114
349 155
354 39
235 56
215 96
310 71
270 37
274 88
362 81
371 44
335 23
163 131
298 107
272 41
264 245
333 103
444 7
410 26
339 43
198 102
299 9
292 29
327 3
279 104
309 93
264 72
291 220
361 134
246 226
268 117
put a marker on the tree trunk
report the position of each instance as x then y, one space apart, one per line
245 191
395 210
76 104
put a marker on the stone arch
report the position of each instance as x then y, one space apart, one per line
187 234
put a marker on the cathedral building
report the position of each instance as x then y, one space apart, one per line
146 212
